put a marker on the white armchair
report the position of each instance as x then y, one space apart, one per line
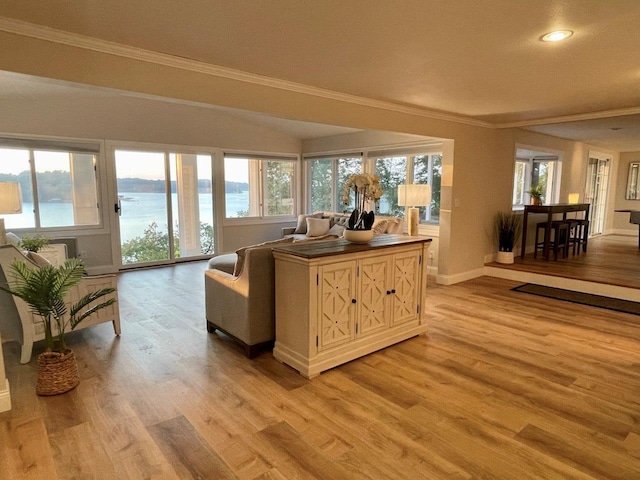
28 328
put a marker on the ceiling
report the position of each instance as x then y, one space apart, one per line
475 59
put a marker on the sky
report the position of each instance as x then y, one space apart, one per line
129 164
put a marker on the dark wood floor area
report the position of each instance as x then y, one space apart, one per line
610 259
503 386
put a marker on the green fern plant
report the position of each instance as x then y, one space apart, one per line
44 289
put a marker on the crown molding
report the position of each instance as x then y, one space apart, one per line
48 34
571 118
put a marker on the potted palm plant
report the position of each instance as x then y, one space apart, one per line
33 244
508 227
45 290
536 194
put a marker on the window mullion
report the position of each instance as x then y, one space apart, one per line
34 188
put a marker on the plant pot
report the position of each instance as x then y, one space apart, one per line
57 373
358 236
536 201
505 257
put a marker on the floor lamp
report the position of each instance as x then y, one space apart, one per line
412 196
10 203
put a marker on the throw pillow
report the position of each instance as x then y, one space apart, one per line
38 259
380 226
302 222
242 252
13 239
394 225
317 227
337 230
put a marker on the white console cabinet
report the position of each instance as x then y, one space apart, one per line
337 301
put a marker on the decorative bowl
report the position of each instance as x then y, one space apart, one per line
358 236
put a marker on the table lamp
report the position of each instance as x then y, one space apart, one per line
574 198
10 203
412 196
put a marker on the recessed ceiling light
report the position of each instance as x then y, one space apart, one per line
556 35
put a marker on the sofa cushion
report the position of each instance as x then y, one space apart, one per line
241 252
380 226
302 221
317 227
337 230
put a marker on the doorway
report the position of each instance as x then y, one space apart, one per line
164 206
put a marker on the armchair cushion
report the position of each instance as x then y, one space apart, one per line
38 259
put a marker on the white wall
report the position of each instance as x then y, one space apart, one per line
621 220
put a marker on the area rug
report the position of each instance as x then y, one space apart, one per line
599 301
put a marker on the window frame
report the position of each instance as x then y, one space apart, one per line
553 190
411 155
336 191
368 159
93 147
260 173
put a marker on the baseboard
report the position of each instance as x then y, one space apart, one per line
622 231
101 270
460 277
432 271
5 398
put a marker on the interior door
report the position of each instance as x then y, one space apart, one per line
596 192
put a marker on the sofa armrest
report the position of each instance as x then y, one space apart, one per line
288 231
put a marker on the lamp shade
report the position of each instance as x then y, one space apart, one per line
10 198
414 195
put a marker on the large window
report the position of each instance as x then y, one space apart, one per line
259 186
328 175
327 178
535 170
395 170
59 185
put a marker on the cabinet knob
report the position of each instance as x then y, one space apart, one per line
393 290
388 292
353 300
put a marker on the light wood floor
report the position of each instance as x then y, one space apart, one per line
610 259
505 385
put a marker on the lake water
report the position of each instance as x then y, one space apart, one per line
139 210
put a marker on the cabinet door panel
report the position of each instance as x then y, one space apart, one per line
406 277
337 310
375 278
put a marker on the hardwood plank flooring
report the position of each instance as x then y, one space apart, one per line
503 386
610 259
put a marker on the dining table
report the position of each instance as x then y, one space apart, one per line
550 210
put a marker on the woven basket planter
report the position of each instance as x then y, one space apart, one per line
57 373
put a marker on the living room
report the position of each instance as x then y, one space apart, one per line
61 83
